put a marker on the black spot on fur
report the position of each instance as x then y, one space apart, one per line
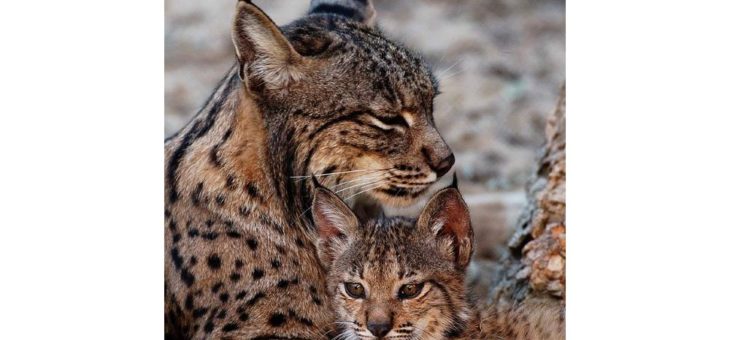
252 243
283 284
306 322
266 220
275 264
244 211
277 319
239 264
235 277
176 238
224 297
214 261
233 234
243 317
229 327
241 295
187 277
199 312
220 200
210 235
315 297
316 300
193 233
230 182
189 302
257 274
214 156
253 191
216 287
208 326
222 314
177 260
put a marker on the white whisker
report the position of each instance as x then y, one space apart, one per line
337 173
359 185
359 179
358 193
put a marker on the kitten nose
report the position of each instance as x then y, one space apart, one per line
445 165
379 328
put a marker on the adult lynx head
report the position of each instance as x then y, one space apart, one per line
339 98
396 277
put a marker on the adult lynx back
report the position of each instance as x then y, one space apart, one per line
326 95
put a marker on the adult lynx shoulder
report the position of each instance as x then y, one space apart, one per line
327 95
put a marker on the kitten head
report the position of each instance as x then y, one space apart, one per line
397 277
348 98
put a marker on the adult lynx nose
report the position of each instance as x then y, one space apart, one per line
445 165
440 162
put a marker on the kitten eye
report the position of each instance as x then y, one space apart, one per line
355 290
410 291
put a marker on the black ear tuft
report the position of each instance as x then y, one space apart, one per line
315 182
454 183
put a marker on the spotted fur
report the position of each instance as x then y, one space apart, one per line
324 94
384 255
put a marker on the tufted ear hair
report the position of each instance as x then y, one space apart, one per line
336 224
358 10
266 58
446 216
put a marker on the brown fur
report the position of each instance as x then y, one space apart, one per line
385 254
323 94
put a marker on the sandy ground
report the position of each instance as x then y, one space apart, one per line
500 63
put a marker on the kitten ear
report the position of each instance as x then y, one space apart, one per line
265 56
336 224
447 217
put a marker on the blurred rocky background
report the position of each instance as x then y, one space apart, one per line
501 64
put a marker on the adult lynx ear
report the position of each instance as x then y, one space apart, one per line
265 56
447 217
336 224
